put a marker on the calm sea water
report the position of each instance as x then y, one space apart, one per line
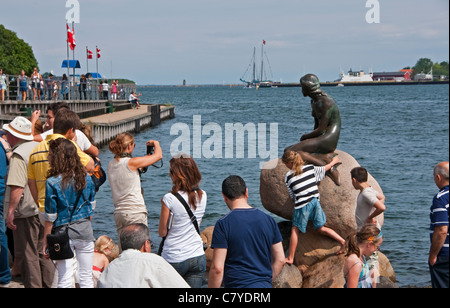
397 132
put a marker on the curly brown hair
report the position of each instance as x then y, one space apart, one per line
64 160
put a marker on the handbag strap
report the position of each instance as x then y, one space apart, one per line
188 210
75 206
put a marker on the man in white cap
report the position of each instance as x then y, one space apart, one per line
21 211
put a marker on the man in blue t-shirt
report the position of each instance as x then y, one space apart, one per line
248 252
439 250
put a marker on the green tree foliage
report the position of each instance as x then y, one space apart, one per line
440 69
15 54
424 65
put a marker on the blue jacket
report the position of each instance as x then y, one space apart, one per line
3 172
59 203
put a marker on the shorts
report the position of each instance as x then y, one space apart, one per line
312 211
23 89
2 86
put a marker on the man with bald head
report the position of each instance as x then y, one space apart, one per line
439 250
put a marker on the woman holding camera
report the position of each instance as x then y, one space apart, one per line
125 182
183 246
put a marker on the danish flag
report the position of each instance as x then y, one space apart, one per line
71 38
89 54
98 53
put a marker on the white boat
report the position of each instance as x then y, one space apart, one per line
355 77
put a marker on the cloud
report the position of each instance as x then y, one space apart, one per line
162 42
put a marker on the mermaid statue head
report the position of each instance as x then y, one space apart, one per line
310 85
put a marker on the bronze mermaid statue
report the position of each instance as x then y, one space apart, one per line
318 146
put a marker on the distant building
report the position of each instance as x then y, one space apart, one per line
403 75
423 76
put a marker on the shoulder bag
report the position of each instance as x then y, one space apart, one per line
58 241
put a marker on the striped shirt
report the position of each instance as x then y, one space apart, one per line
439 216
303 188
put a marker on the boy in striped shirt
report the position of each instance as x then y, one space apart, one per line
301 182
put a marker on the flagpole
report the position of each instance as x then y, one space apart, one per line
73 55
96 61
68 71
87 61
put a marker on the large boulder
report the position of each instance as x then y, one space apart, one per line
289 278
338 203
206 236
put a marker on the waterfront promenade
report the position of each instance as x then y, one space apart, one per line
106 118
106 127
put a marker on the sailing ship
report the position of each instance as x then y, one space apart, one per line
258 79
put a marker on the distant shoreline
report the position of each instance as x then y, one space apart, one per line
323 84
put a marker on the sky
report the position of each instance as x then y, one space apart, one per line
211 42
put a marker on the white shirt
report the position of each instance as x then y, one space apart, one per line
82 141
364 206
135 269
183 241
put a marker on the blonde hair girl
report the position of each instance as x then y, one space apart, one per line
361 245
293 161
302 183
105 251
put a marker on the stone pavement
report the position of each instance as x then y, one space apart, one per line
118 115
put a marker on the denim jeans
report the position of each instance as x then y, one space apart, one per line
192 270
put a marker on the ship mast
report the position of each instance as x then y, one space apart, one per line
262 62
254 65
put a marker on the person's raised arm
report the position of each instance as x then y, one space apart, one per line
148 160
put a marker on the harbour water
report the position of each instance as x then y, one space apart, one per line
398 133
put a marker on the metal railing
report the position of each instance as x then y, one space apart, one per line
58 89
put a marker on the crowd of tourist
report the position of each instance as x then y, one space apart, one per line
47 190
36 87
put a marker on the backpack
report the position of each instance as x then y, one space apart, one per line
99 175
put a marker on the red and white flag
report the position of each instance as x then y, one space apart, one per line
90 54
71 38
98 53
264 42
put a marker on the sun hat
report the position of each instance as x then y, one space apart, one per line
20 127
